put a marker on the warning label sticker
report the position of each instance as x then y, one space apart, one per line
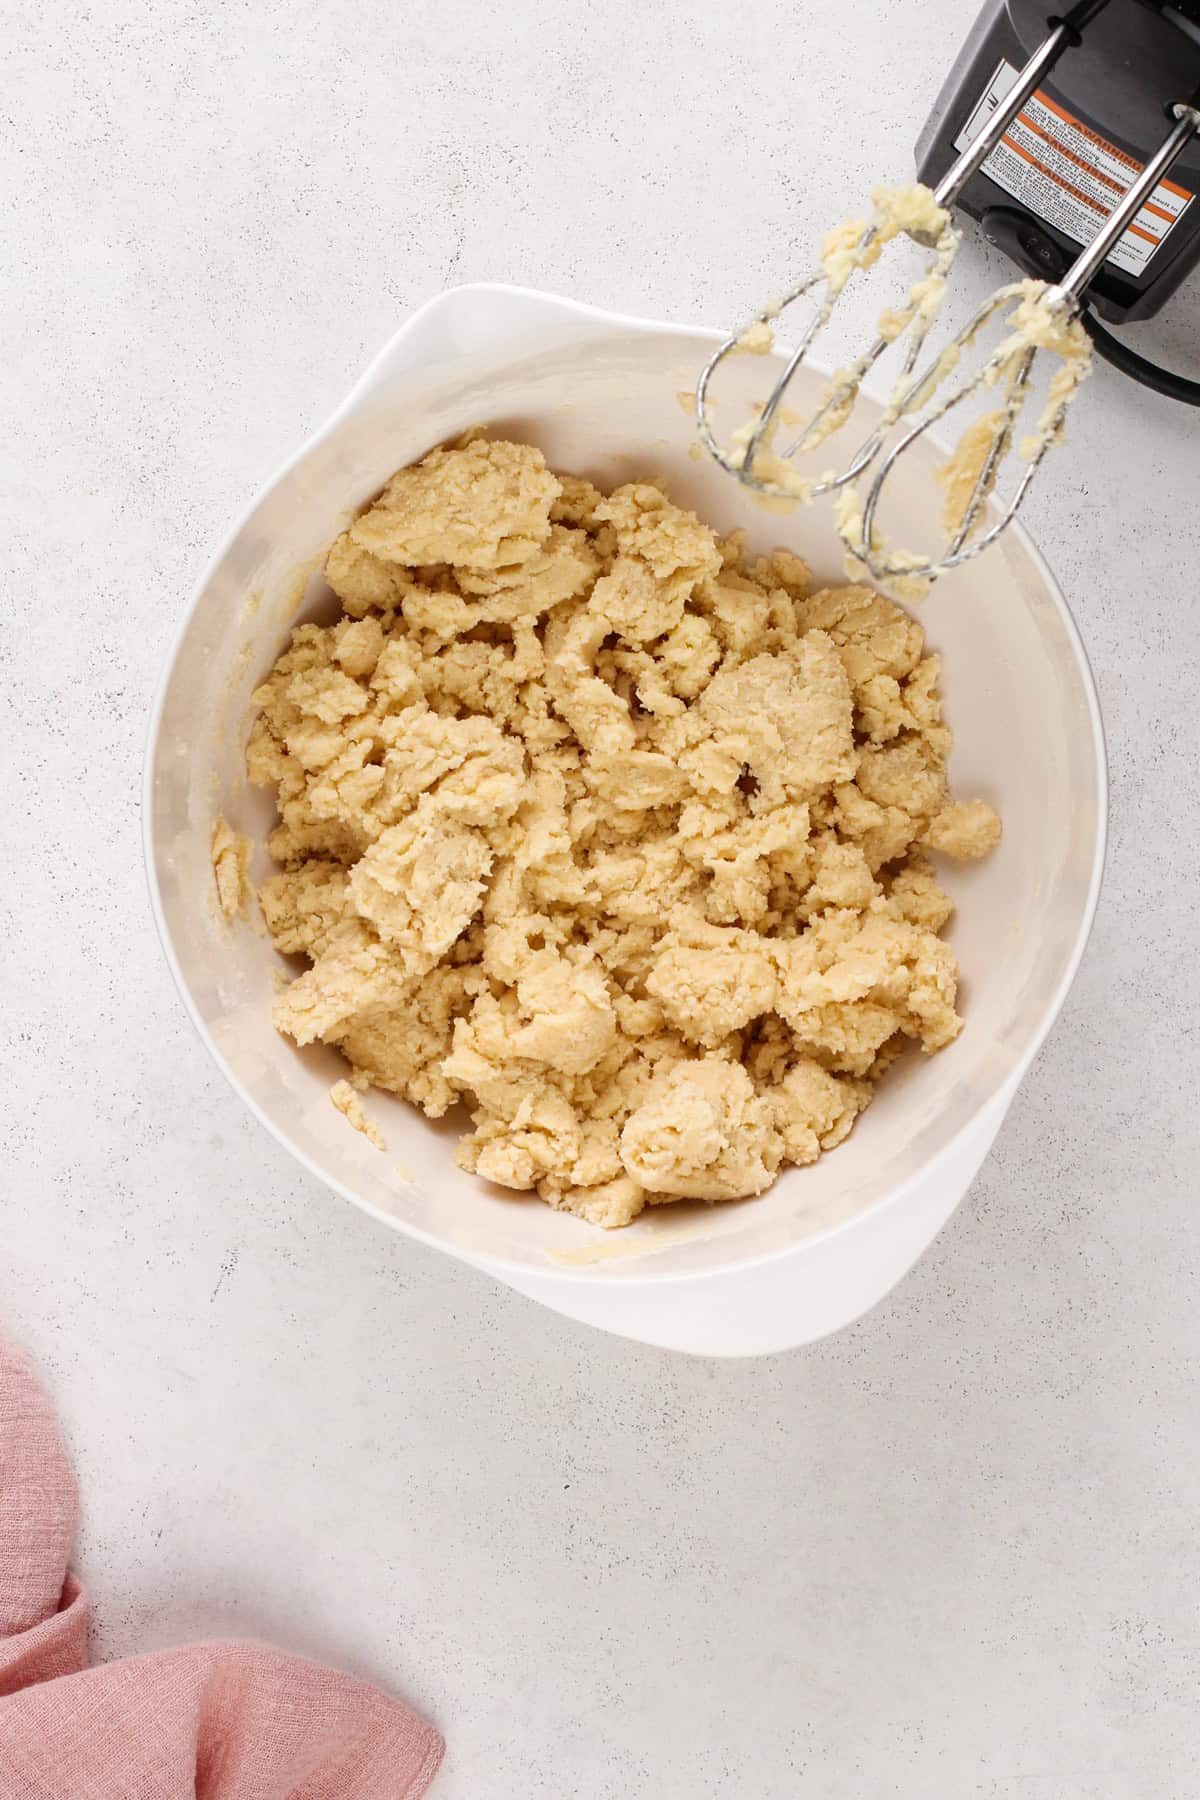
1070 176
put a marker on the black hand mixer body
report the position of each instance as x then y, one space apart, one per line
1098 117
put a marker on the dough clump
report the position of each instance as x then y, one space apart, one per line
229 853
616 835
348 1103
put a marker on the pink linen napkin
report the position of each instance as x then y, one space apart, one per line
210 1721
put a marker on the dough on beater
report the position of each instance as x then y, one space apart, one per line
617 838
853 245
1037 322
1034 323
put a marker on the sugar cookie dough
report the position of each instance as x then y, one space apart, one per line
591 822
348 1102
229 853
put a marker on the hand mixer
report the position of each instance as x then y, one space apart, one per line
1037 173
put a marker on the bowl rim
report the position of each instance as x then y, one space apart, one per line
612 1275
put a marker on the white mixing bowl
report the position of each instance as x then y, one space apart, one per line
599 394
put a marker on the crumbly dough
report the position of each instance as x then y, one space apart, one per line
229 853
348 1101
589 821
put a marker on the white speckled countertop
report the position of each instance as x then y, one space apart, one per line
953 1552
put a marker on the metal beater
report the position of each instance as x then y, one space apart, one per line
1010 367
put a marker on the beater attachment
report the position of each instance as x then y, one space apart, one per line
1045 318
918 214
